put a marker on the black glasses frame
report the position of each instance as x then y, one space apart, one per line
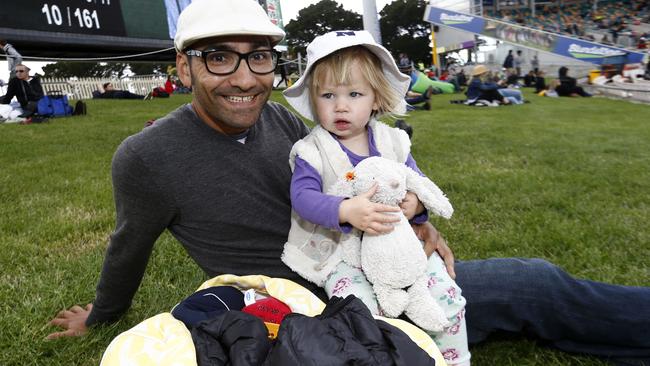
275 55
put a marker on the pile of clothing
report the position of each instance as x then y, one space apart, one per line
256 320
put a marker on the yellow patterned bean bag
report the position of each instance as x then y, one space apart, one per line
163 340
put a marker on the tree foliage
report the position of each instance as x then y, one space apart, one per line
401 24
317 19
404 30
66 69
148 68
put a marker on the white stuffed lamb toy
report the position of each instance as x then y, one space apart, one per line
395 263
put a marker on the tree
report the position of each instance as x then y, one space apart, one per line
317 19
404 30
66 69
401 24
149 68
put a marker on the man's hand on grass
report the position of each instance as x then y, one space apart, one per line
73 322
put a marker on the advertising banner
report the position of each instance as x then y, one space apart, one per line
544 41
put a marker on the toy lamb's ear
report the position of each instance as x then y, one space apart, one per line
344 186
428 193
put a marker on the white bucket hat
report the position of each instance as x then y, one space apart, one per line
212 18
298 94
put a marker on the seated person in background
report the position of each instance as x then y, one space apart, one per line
413 99
27 91
461 78
540 81
568 85
107 91
450 76
551 90
512 78
529 79
483 87
179 88
169 85
509 91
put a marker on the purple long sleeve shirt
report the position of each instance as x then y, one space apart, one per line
309 201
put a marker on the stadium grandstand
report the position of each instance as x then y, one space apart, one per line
620 23
597 40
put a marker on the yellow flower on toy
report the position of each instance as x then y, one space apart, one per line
349 176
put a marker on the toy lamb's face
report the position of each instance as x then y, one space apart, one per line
388 175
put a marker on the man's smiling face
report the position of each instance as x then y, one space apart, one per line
229 103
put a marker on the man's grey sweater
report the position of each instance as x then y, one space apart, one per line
226 202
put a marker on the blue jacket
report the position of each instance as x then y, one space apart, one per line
476 88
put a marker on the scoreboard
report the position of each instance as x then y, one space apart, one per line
97 28
87 28
85 16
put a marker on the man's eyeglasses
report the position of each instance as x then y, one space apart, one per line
223 62
17 71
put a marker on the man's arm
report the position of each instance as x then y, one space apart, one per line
142 214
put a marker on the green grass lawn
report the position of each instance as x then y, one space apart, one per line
562 179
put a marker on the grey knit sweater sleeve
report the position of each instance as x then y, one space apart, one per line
226 203
142 214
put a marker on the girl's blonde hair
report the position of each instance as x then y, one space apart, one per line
337 68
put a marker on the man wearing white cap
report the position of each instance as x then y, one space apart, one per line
215 173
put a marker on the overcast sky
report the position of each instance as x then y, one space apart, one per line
290 9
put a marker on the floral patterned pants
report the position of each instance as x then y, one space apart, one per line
452 341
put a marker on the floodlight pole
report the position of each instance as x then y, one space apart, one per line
371 20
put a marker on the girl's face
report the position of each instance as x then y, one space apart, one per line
345 109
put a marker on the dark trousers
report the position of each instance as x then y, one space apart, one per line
535 297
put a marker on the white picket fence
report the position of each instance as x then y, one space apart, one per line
82 88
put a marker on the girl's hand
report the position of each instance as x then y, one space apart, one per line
411 205
373 218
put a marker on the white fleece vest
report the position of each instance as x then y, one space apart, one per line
311 250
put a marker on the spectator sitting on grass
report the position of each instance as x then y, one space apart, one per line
509 90
107 91
26 91
481 87
529 79
551 90
179 88
169 85
568 85
415 100
540 81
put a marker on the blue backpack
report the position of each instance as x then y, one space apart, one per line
54 105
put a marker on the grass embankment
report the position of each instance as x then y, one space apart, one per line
562 179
